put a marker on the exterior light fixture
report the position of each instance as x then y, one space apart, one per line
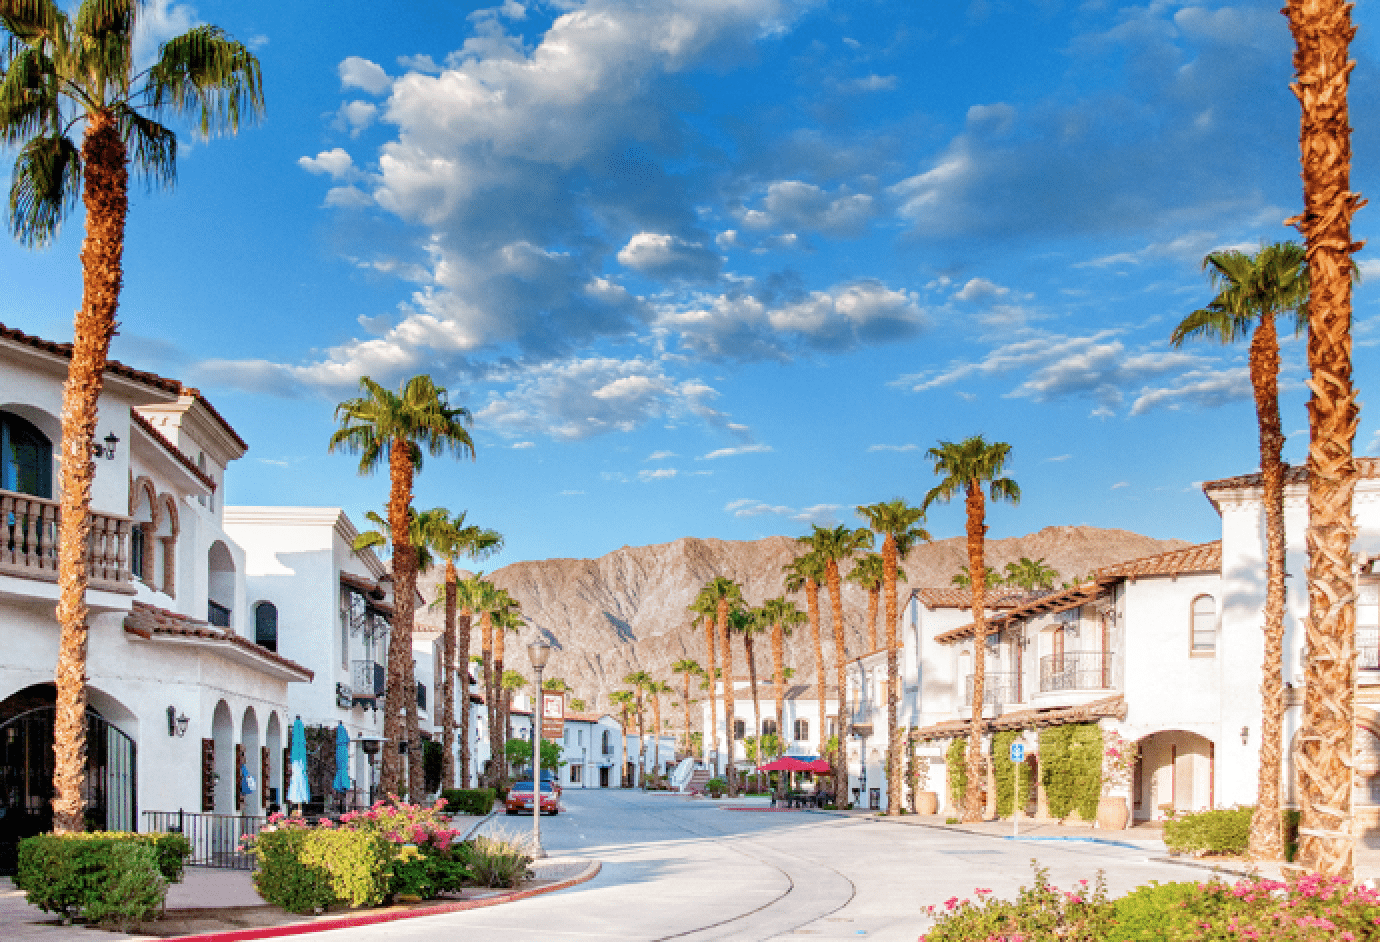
106 451
538 652
1245 735
177 725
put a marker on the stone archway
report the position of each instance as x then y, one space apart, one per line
248 757
272 785
1175 770
223 770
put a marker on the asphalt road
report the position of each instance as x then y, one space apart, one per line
681 869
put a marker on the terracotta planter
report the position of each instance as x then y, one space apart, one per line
926 802
1113 813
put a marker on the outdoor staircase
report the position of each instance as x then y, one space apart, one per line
695 786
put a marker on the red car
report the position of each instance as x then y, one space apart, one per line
520 798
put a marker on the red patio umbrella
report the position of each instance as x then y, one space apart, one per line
793 764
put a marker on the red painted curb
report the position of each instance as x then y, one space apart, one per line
370 919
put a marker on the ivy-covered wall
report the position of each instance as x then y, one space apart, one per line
958 772
1071 768
1006 782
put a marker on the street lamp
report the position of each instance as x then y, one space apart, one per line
537 652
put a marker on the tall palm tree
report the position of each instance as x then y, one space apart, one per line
451 539
964 578
782 616
510 683
747 623
488 602
506 618
1031 574
687 668
706 612
724 595
1323 31
640 681
897 523
470 598
623 699
963 468
654 690
383 426
1253 291
58 74
804 574
867 575
834 545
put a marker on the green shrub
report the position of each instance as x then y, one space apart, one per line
1001 755
1210 832
283 879
70 874
1071 768
495 862
716 787
957 759
469 800
1289 820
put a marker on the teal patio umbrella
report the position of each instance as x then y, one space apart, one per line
298 792
342 759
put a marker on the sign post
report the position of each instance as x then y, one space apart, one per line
1017 760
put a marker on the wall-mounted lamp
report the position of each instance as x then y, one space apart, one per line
1245 734
177 725
106 451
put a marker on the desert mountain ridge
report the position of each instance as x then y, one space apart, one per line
627 610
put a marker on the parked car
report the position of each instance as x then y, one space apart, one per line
520 798
548 778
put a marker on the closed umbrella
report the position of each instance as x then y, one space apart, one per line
342 759
298 792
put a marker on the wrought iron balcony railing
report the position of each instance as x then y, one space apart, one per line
1368 648
1077 670
367 680
998 687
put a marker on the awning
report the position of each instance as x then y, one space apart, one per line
794 764
1113 707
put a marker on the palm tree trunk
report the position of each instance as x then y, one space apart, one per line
812 607
711 735
491 708
105 195
977 533
445 689
749 652
729 692
831 573
504 699
462 655
778 672
893 673
656 731
872 595
400 678
641 741
1267 841
688 750
1322 32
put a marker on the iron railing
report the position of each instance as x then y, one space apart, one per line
1077 670
997 687
1368 648
367 679
217 614
215 838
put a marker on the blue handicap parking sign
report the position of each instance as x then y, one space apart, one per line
1018 752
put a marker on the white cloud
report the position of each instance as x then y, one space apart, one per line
334 162
1059 458
523 445
1120 484
875 83
735 450
667 256
795 206
980 289
893 447
355 117
823 514
570 493
361 73
157 22
347 197
1203 389
660 456
657 475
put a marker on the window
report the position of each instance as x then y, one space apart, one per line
769 727
265 625
421 696
739 729
136 551
802 730
26 457
1204 625
1368 627
575 774
608 744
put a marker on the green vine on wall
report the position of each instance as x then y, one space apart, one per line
912 770
958 771
1071 768
1001 754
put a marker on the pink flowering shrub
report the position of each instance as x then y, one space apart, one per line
1312 909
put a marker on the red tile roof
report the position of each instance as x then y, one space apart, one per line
1028 719
1205 557
958 597
172 449
111 366
146 621
1293 474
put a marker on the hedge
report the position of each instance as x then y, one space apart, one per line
1071 769
1209 832
469 800
305 871
958 771
115 878
1001 759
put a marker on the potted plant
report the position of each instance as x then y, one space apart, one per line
716 787
926 801
1118 767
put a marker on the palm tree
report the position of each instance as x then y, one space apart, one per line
639 681
898 524
867 574
1031 574
832 546
654 690
964 467
470 597
723 594
623 699
1253 291
687 668
1322 32
58 74
782 615
510 683
748 623
964 578
577 704
450 539
706 612
379 426
507 617
804 574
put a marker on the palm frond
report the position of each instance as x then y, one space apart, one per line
104 45
46 186
32 21
153 146
205 75
29 104
1215 320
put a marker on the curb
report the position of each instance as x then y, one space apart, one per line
372 919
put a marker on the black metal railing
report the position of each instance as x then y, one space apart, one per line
217 614
1077 670
368 679
1368 648
997 687
215 838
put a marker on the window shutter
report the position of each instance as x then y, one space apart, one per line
208 775
263 774
239 764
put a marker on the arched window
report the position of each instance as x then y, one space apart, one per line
739 729
266 626
1204 625
802 730
26 457
608 744
769 727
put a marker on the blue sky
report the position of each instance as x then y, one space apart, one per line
722 268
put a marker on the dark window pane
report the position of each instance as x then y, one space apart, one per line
26 457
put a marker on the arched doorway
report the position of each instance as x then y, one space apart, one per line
223 736
26 770
273 773
251 761
1175 771
220 585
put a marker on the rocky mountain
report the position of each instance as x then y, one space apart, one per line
626 611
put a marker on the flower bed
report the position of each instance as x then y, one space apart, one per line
1313 909
393 851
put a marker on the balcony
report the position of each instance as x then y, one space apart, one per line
998 688
217 614
367 681
29 541
1078 670
1368 648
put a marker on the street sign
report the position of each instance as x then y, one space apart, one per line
1018 752
553 716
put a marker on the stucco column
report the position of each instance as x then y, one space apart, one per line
147 558
169 566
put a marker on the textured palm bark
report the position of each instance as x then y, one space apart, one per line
1267 839
688 749
504 699
656 731
728 692
835 584
778 676
641 737
105 196
446 687
486 624
812 608
873 596
893 668
1322 32
396 729
977 533
463 623
750 655
711 736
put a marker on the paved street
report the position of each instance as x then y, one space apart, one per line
686 870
